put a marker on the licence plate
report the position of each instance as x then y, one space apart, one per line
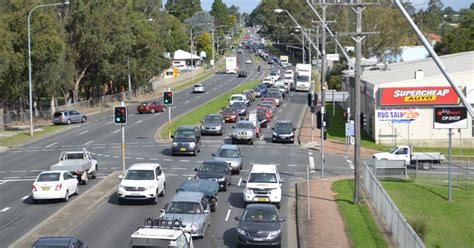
227 118
182 149
258 239
134 194
262 199
45 188
242 136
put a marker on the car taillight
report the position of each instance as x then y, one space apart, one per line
58 187
33 188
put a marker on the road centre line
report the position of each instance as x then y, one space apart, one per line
187 175
240 181
167 159
5 209
88 142
171 175
178 168
292 165
116 131
50 145
261 137
228 214
36 170
139 158
138 121
2 182
19 171
24 197
184 160
3 172
84 132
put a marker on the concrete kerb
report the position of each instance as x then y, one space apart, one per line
70 216
300 124
292 233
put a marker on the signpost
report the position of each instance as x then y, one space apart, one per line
120 118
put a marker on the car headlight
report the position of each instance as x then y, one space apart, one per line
222 179
241 232
192 145
218 127
121 187
149 187
274 234
195 226
248 191
275 134
292 134
175 144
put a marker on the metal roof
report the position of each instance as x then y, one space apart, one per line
454 63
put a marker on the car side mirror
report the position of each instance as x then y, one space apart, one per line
120 176
172 136
213 155
157 177
195 169
294 129
162 210
74 176
233 127
237 218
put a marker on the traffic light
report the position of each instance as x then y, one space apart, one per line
363 120
168 97
120 115
319 120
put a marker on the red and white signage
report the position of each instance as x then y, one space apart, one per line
419 96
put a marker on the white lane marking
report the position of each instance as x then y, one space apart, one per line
36 170
261 137
3 172
2 182
115 157
199 161
18 171
240 181
284 104
153 159
183 160
138 121
31 176
113 168
18 180
110 122
311 162
24 197
11 177
178 168
139 158
186 102
108 156
228 214
50 145
34 150
88 142
310 153
116 131
84 132
167 159
171 175
187 175
148 145
292 165
5 209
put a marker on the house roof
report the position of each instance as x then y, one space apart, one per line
180 55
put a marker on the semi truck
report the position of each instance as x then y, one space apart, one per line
422 159
303 77
231 65
284 61
79 163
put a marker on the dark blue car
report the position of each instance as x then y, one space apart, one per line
59 242
263 87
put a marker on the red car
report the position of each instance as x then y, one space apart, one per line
268 99
150 107
230 114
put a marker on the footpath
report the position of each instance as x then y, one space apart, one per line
325 227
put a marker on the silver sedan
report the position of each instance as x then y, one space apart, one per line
232 155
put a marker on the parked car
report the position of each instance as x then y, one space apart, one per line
186 140
151 107
143 181
244 131
207 187
230 114
58 242
259 225
212 124
232 155
242 74
199 88
284 131
55 184
263 185
240 107
68 117
193 210
214 170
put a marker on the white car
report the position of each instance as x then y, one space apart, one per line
268 81
199 88
238 98
248 61
143 181
54 184
263 185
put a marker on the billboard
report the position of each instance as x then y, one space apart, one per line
450 117
441 95
397 114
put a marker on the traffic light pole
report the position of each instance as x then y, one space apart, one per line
123 144
169 119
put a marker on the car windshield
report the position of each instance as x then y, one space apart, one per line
144 103
227 153
262 178
273 73
283 127
302 79
184 134
260 215
228 111
184 208
274 94
197 85
48 177
213 167
212 119
236 98
243 125
139 175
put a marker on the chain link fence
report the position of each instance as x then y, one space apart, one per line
397 224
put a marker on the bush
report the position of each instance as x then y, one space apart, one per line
419 223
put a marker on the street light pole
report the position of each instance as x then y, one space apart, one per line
29 59
213 44
191 41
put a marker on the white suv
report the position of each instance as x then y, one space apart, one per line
263 185
145 181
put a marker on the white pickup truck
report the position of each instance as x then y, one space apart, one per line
423 159
161 233
79 163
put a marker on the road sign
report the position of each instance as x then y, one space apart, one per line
175 72
350 129
447 117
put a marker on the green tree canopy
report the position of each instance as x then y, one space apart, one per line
183 9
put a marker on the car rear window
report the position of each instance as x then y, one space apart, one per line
58 114
48 177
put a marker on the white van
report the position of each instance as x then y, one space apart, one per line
238 98
263 185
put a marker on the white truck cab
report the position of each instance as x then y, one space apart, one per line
263 185
405 153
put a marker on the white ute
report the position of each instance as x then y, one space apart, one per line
263 185
144 181
422 159
79 163
161 233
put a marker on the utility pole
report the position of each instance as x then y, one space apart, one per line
212 59
323 86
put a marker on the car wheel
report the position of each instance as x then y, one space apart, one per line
69 122
152 111
85 178
66 196
83 119
225 187
233 141
251 141
426 166
154 201
163 191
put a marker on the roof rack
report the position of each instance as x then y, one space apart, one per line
151 222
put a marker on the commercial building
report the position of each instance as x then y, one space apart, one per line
398 102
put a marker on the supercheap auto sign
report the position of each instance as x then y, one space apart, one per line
419 96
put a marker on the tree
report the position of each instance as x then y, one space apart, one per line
435 5
183 9
458 39
409 8
220 12
204 43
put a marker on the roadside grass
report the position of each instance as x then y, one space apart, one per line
448 224
194 116
359 223
336 131
23 136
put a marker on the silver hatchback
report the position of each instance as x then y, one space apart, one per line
232 155
68 117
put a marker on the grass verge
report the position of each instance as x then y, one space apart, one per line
193 117
448 224
360 225
24 136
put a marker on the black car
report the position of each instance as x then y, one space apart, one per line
186 140
241 108
208 188
59 242
259 225
242 74
217 171
283 131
